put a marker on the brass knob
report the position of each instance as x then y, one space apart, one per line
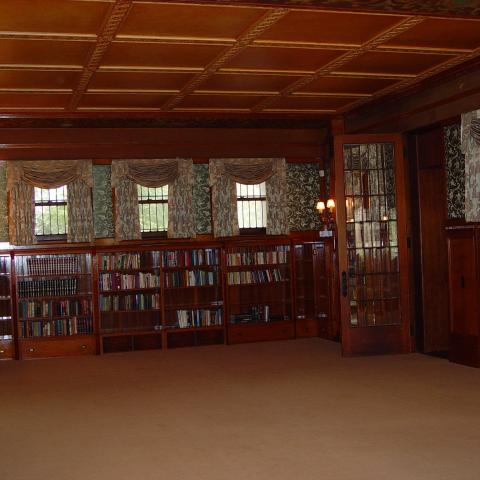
83 347
2 351
31 349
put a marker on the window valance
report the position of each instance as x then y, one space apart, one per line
48 173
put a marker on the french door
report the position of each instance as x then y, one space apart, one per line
372 244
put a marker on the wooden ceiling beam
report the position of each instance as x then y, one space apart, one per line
335 64
242 42
114 19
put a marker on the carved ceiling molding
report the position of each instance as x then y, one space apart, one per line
409 82
242 42
115 17
464 8
335 64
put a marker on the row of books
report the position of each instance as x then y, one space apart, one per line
54 308
256 314
261 257
116 281
61 327
198 318
129 261
140 301
245 277
48 265
191 278
4 264
47 287
187 258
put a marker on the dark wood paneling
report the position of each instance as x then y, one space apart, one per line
433 258
51 143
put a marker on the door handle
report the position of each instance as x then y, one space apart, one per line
344 284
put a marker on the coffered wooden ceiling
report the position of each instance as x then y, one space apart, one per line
150 56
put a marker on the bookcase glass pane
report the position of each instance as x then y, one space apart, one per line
54 295
6 330
371 234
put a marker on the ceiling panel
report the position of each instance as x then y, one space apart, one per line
38 79
358 85
394 63
43 52
247 82
123 101
441 33
283 59
329 27
34 100
52 16
139 80
160 55
161 20
311 103
220 101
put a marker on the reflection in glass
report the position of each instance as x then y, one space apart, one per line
371 234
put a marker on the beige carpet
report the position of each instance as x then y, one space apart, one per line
283 410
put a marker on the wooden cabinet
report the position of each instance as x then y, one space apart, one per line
7 350
463 269
314 315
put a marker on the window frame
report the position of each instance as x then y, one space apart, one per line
52 237
251 230
148 201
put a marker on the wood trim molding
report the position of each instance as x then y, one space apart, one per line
115 17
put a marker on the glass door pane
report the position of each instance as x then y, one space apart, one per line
371 234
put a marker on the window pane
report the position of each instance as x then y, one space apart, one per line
153 208
51 211
251 205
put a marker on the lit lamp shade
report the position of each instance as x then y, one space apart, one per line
320 206
330 204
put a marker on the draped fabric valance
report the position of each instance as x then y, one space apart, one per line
153 173
48 173
471 149
223 176
23 176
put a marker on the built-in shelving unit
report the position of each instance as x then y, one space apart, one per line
6 322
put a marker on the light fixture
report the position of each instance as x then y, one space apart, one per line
327 213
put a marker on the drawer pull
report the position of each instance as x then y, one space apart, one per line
83 347
2 351
31 349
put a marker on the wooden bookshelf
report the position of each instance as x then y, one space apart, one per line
259 291
7 350
59 301
54 304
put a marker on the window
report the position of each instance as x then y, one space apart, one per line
153 206
252 208
51 220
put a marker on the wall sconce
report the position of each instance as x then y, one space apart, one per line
327 213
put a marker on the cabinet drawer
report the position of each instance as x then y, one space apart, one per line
6 349
58 347
260 332
307 328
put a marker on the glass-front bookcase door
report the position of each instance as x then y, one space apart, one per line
373 253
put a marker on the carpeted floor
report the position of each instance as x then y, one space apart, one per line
284 410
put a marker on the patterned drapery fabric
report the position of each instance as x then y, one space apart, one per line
176 173
224 173
23 176
471 149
